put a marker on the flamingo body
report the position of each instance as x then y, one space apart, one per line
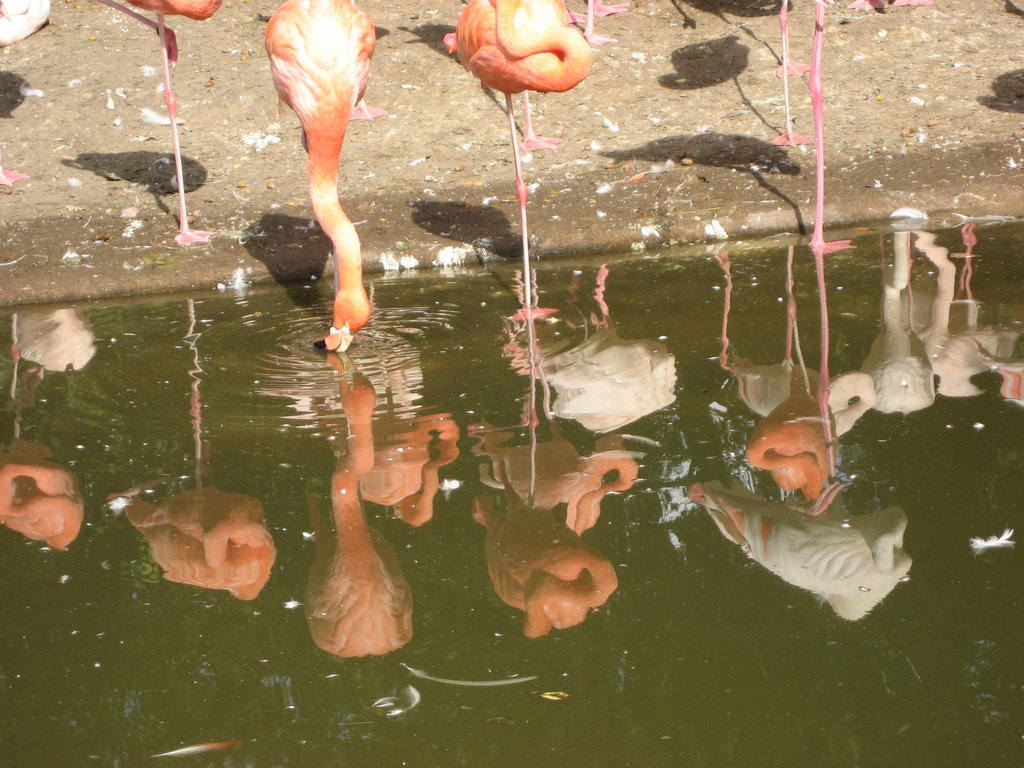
320 54
20 18
514 46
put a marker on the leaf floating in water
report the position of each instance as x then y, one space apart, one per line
554 695
196 749
979 544
471 683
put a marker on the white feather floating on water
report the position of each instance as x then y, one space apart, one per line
1005 541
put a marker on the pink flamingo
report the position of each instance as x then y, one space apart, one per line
787 68
515 46
320 54
200 10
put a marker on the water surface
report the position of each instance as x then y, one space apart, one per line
217 534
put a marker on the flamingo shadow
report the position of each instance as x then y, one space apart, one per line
154 171
294 249
1008 92
484 226
746 9
431 35
720 150
11 95
707 63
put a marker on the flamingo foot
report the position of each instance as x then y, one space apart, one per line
790 139
793 68
8 177
189 236
867 5
596 38
819 245
600 11
531 143
364 111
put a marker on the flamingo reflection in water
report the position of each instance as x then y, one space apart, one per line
794 439
203 536
850 561
957 346
536 557
39 499
358 602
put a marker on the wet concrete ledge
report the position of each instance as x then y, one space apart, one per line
637 205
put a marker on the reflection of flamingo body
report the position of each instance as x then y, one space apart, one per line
358 602
208 538
320 57
37 498
541 567
852 561
519 45
579 483
200 10
404 473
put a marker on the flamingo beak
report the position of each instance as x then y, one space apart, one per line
338 340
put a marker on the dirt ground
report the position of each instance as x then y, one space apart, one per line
668 134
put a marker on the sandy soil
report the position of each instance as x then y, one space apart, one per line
671 131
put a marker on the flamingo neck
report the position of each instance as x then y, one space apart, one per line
351 304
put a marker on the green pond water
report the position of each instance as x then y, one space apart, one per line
217 536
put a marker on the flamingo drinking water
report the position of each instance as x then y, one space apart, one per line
320 57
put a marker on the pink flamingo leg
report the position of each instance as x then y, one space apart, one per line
818 103
186 235
596 8
531 140
522 193
169 38
788 67
169 53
